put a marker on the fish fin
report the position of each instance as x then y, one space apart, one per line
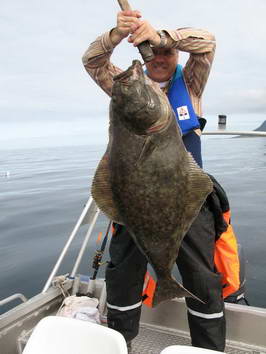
148 147
169 288
199 186
199 180
101 190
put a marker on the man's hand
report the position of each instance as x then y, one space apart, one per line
143 31
129 23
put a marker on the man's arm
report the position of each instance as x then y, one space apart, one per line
96 59
201 46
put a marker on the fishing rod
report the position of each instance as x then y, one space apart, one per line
96 263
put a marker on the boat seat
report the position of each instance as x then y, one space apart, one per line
185 349
62 335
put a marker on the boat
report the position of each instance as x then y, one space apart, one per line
160 327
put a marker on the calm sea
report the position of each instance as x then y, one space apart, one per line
47 187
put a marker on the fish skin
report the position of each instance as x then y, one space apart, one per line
152 183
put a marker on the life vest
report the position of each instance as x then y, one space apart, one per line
226 259
180 101
148 289
226 255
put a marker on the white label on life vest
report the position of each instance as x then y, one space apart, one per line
183 113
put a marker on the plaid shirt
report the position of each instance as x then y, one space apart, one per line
200 44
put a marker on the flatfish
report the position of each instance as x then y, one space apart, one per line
146 179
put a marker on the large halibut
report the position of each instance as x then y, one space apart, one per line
147 180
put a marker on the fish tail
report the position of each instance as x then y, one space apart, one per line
167 289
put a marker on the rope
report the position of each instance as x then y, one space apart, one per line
58 282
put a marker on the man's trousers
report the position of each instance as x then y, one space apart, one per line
125 277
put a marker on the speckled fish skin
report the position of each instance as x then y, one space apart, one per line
157 188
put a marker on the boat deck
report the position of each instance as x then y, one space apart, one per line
161 327
153 340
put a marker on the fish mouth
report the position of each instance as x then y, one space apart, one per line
134 72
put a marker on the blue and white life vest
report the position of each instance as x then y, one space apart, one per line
181 103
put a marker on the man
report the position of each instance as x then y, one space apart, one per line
126 270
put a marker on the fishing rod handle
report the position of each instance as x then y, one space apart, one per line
144 47
146 51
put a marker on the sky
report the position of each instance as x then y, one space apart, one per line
46 95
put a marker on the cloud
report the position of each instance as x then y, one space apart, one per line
250 100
